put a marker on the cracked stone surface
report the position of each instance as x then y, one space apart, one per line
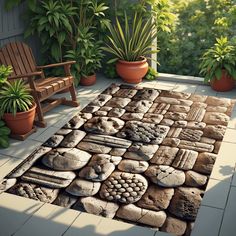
140 155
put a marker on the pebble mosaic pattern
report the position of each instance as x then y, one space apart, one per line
135 154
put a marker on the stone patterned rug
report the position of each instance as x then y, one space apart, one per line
135 154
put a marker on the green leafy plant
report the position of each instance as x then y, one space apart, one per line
5 71
221 56
15 97
87 54
110 70
132 41
4 135
151 74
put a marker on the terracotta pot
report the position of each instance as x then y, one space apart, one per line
226 83
22 123
132 72
88 80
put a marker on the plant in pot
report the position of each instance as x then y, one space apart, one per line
218 65
130 45
17 107
88 56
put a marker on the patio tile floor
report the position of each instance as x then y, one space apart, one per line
19 215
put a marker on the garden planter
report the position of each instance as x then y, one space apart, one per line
22 123
132 72
88 80
226 83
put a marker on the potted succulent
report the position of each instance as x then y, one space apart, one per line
88 55
130 46
17 107
218 65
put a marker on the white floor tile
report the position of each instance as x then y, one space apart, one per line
216 193
207 222
48 220
230 136
185 88
205 90
228 227
14 212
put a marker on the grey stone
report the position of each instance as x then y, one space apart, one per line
167 122
73 138
164 155
54 141
146 94
83 188
5 184
196 125
174 94
100 113
175 116
104 125
165 176
132 166
194 179
65 200
101 100
144 132
215 132
185 159
172 142
180 123
204 163
196 146
118 102
105 108
141 106
28 162
141 152
90 109
63 131
77 121
123 187
139 215
108 141
117 151
207 140
179 108
116 112
156 198
191 135
94 147
97 206
152 118
35 192
112 89
66 159
132 116
48 178
185 203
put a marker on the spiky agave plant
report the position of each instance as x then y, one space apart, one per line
15 97
132 41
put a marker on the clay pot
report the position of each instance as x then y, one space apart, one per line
22 123
132 72
226 83
88 80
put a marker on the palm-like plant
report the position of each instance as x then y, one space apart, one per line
221 56
15 97
132 41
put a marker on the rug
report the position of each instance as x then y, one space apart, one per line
139 155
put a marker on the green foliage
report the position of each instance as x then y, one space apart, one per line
131 41
221 56
110 70
4 135
5 71
151 74
87 54
15 97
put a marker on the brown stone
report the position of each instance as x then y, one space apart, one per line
180 123
204 163
191 135
65 200
133 166
152 118
214 131
156 198
194 179
175 115
146 94
54 141
101 100
196 146
174 226
172 142
117 151
93 147
141 106
207 140
90 109
196 114
112 89
216 109
118 102
216 118
217 147
116 112
215 101
185 203
159 108
167 122
174 132
125 93
78 120
185 159
174 94
136 214
179 108
196 125
164 155
199 105
198 98
132 116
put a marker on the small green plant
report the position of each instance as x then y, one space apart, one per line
5 71
132 41
151 74
110 70
4 135
221 56
87 54
15 97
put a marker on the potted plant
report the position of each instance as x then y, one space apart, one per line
218 65
130 46
4 135
17 107
88 55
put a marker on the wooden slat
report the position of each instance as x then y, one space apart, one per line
7 59
13 59
29 57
